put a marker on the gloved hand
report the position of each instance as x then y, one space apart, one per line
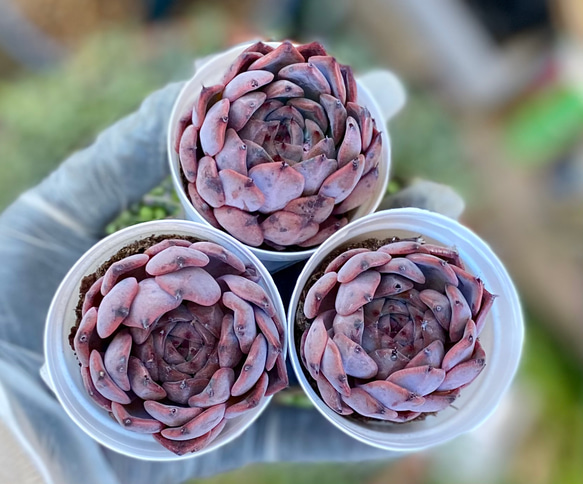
41 236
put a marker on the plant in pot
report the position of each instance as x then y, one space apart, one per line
278 145
177 333
390 324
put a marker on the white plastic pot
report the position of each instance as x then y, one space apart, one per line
380 91
61 369
502 337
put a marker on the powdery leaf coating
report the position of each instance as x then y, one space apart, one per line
333 369
103 382
164 244
278 379
364 404
243 320
215 251
327 229
214 127
252 368
283 89
328 66
97 397
229 350
193 445
208 182
188 159
241 191
233 156
217 391
141 381
283 226
251 400
174 259
119 269
365 122
332 398
249 291
134 423
274 60
356 293
315 170
351 144
280 184
242 225
342 182
92 297
402 339
185 331
339 261
355 360
314 345
193 284
360 263
246 82
288 119
317 207
85 332
351 326
318 292
198 426
243 108
117 357
171 415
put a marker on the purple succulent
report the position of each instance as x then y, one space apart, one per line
393 332
279 152
177 340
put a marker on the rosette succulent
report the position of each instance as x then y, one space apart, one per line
176 338
279 152
392 333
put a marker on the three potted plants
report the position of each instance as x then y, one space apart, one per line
178 328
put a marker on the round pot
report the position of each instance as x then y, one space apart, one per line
61 370
387 100
502 337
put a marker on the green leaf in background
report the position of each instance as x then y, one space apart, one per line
159 204
544 126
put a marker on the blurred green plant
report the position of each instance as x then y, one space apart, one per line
298 473
160 203
556 378
544 126
425 144
44 117
293 397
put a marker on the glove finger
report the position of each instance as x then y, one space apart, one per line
428 195
126 161
45 231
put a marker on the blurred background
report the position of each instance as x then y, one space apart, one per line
495 110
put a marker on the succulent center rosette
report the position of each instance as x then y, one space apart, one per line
280 150
177 339
392 333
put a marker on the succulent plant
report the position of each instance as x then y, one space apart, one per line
279 151
177 339
393 332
